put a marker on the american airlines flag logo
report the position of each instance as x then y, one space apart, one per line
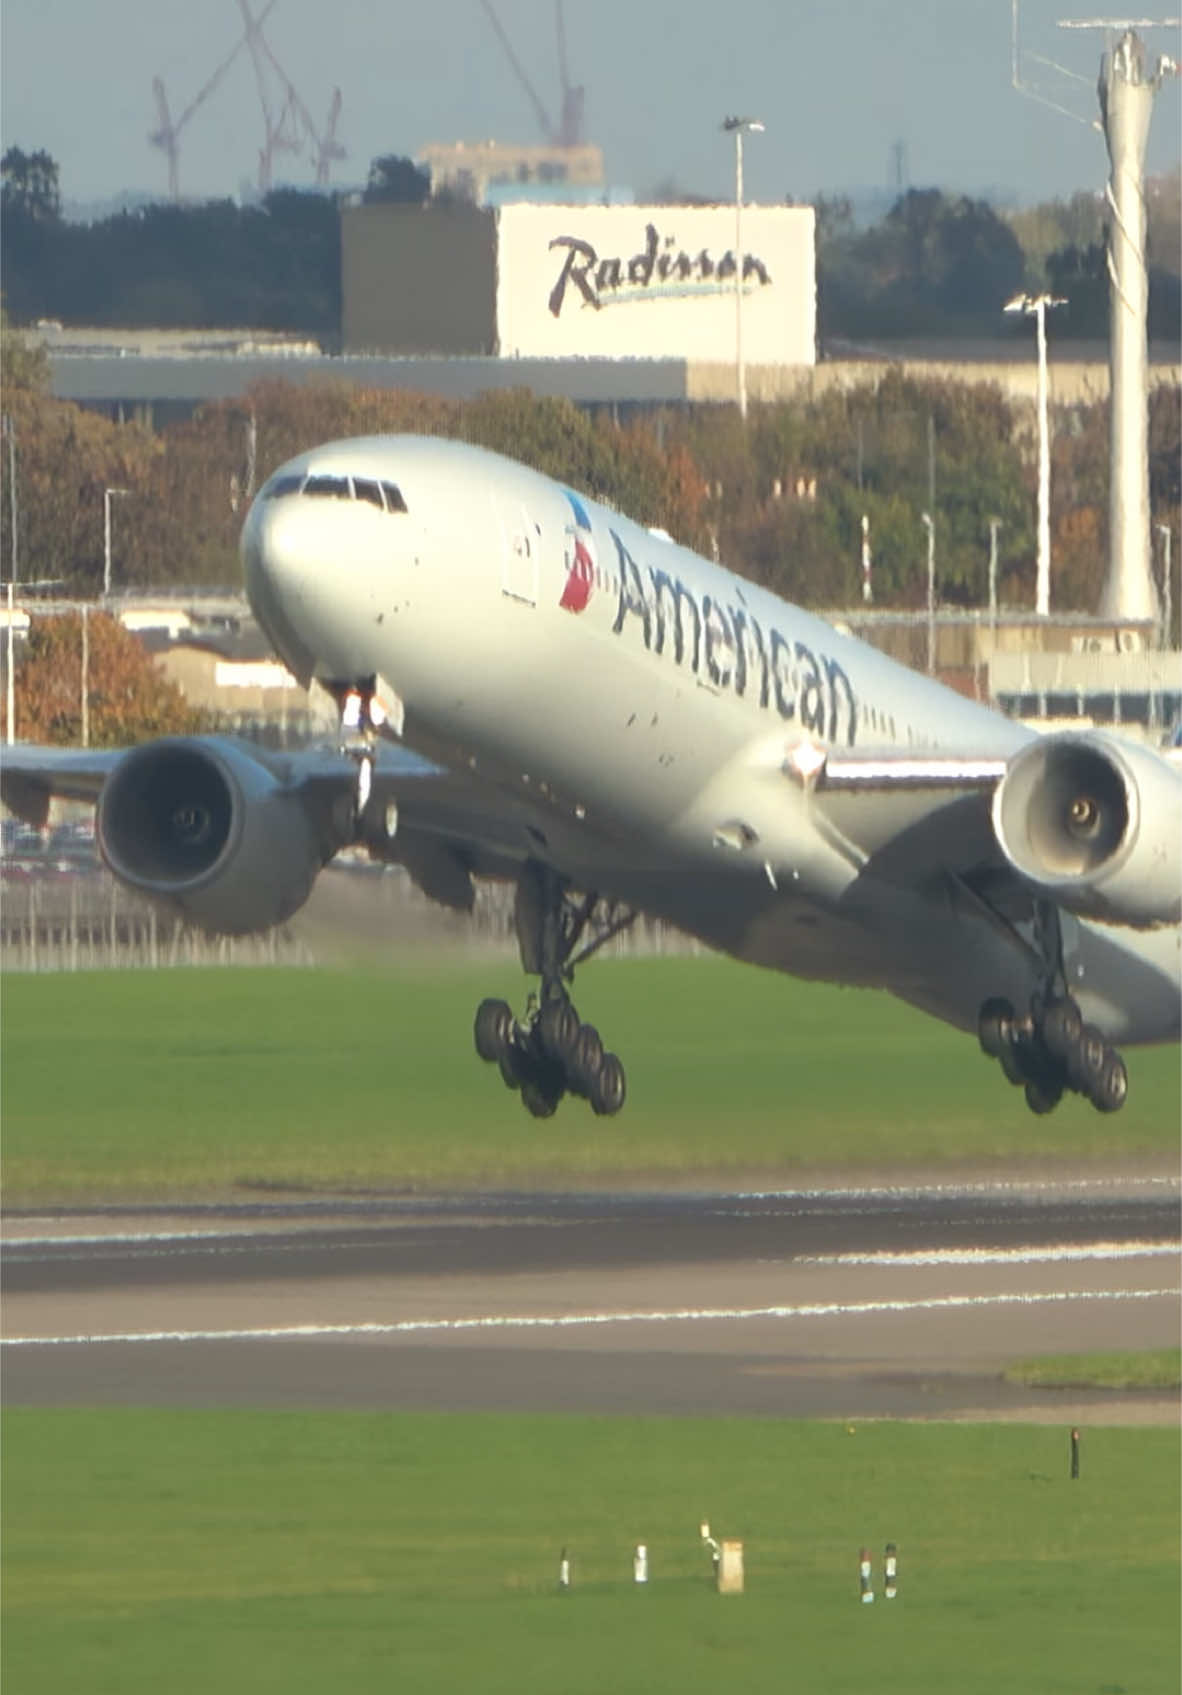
580 577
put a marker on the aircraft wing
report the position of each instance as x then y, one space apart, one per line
1082 818
443 824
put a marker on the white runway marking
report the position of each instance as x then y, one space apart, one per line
574 1321
1001 1256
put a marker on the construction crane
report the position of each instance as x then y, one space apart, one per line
167 134
278 133
568 132
283 133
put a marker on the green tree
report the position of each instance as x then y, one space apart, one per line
127 698
24 363
397 180
30 188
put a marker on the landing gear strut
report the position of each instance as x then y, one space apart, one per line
1048 1049
549 1052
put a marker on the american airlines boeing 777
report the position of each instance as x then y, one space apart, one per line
531 686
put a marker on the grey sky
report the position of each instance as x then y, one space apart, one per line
837 82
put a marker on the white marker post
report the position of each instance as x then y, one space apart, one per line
715 1554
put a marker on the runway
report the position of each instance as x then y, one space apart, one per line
837 1301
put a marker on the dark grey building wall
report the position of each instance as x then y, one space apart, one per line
418 279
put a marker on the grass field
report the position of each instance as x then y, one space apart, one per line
198 1551
189 1082
1155 1368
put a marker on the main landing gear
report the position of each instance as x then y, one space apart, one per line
549 1052
1048 1049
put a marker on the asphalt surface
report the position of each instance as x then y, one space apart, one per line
843 1301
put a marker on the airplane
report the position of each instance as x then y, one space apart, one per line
529 685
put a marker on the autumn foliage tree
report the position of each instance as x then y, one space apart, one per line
127 698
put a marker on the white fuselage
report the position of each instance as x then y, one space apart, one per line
649 699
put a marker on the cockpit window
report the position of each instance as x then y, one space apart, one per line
385 496
283 485
333 487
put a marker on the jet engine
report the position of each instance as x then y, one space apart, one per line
208 827
1095 824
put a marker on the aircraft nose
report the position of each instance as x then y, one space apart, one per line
275 569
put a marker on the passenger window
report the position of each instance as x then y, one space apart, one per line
284 485
336 488
394 500
366 489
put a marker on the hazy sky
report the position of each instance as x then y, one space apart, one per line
837 82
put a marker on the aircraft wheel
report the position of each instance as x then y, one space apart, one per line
1086 1062
558 1028
609 1087
586 1057
1043 1097
539 1101
494 1021
1062 1026
1111 1088
1010 1063
993 1025
512 1064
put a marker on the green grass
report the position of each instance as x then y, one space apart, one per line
198 1551
196 1082
1154 1369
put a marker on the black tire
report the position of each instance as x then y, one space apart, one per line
993 1026
513 1065
1111 1088
539 1101
1010 1062
1043 1097
1062 1026
558 1029
609 1088
586 1058
1088 1059
494 1023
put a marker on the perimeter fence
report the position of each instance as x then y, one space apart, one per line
87 921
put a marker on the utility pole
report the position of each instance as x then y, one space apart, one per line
994 526
107 493
737 126
1036 306
929 526
9 427
1167 587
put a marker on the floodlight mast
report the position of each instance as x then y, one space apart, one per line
1126 89
1126 103
737 127
1036 307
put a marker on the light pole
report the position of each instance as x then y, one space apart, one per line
994 526
929 526
737 126
1167 587
9 681
1036 306
107 493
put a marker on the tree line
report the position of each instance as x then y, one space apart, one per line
936 264
780 500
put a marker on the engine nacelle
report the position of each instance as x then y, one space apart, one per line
207 827
1095 824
